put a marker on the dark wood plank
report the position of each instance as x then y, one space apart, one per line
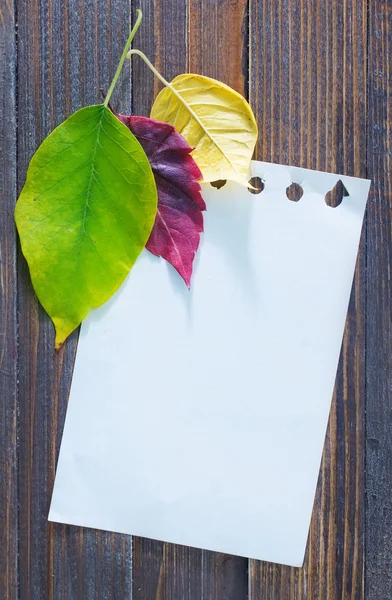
218 41
378 571
67 50
308 89
179 37
168 571
8 307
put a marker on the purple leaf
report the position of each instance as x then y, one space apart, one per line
179 220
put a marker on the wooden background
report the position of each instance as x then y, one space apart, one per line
319 77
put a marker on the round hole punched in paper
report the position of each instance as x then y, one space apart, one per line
258 185
218 184
334 197
294 192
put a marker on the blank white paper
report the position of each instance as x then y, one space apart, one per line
198 417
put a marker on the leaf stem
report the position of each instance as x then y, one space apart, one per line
170 86
123 56
160 77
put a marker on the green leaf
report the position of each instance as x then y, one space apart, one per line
85 214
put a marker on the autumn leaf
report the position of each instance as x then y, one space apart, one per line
214 119
85 213
179 220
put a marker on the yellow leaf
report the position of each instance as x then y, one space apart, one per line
215 120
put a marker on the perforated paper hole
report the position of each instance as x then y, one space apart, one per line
294 192
218 184
336 195
258 184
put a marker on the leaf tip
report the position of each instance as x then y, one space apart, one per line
62 332
186 274
58 345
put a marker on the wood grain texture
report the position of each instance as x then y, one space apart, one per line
179 37
218 41
308 89
67 50
8 307
319 77
378 569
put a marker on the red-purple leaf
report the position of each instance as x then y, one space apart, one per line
179 220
